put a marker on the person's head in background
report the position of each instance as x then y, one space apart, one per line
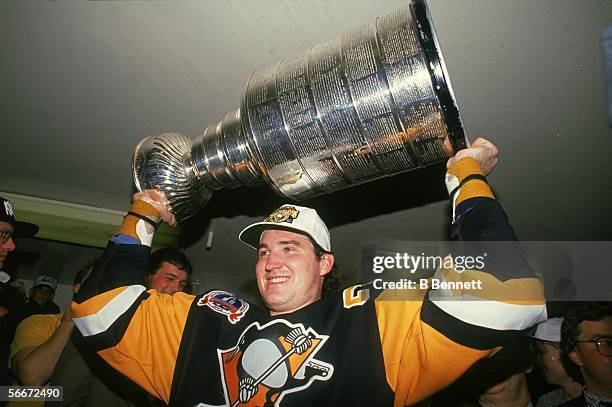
547 346
9 229
586 346
168 271
7 244
43 290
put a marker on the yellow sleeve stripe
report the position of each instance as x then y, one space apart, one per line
473 188
98 314
482 285
129 225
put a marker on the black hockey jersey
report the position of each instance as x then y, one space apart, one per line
360 347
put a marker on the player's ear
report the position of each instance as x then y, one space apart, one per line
326 262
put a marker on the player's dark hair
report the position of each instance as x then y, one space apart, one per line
332 282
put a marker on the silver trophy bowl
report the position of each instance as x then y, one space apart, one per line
374 102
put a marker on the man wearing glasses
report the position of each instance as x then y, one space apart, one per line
9 297
9 227
586 350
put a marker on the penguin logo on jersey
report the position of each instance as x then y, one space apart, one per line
271 361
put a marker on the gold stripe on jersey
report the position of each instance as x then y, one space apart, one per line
520 300
128 226
426 361
147 350
473 188
525 290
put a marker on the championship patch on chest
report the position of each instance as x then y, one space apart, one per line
226 304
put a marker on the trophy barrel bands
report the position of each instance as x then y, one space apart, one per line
244 163
373 102
210 160
163 162
223 157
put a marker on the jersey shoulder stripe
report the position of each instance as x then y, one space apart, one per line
104 323
477 336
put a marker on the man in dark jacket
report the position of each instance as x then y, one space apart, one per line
9 297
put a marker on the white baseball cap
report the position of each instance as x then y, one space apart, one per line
293 218
549 330
46 281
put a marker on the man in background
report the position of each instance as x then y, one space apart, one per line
40 339
89 381
40 300
10 228
168 271
45 349
547 339
586 352
10 297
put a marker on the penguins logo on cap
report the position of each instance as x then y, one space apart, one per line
284 214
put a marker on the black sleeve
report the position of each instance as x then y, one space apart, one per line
120 265
483 227
482 219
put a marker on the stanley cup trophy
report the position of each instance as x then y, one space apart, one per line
374 102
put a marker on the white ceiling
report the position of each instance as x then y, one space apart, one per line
81 82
